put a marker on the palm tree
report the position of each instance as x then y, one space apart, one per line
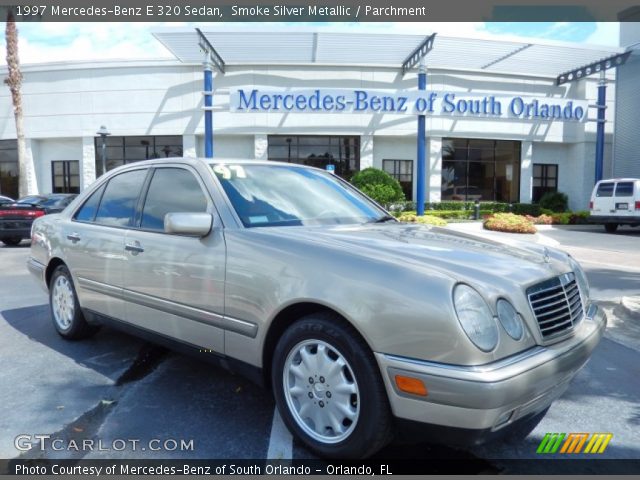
26 184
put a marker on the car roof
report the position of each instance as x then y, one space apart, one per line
204 161
620 180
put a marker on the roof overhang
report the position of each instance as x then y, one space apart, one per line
319 47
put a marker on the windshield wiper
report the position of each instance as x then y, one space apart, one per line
383 219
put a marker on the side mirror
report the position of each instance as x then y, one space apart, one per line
192 224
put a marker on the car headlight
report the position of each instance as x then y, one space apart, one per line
510 319
581 278
475 317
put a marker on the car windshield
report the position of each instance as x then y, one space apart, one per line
281 195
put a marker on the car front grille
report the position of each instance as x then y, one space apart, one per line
556 304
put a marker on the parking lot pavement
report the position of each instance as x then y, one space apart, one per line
114 386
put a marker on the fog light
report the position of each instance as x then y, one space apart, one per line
504 418
411 385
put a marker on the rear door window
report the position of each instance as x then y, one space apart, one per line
605 190
88 210
118 203
624 189
186 195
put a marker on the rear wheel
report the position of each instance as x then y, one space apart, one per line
610 227
12 241
329 390
65 309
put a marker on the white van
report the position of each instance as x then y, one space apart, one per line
616 202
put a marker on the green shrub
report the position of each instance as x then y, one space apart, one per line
555 201
541 219
561 218
579 218
426 219
509 222
526 209
379 185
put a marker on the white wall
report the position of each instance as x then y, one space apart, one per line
576 168
229 146
68 101
53 149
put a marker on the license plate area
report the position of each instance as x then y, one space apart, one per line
622 206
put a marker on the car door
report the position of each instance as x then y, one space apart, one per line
94 242
623 199
174 284
603 204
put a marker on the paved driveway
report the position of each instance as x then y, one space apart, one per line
115 386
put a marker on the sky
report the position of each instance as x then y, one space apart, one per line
58 41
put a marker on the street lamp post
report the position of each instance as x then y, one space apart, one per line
104 133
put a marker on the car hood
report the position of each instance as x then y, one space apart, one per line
459 255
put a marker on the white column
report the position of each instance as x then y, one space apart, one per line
260 147
32 181
189 146
366 151
434 169
526 172
88 162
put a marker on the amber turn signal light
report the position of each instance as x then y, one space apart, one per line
411 385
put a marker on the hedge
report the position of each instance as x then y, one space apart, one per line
509 222
488 207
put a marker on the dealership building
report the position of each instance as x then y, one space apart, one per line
498 126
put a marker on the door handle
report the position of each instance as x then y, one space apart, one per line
74 237
134 248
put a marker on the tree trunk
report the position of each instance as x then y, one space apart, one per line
27 184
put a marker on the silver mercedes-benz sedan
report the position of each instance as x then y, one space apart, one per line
358 323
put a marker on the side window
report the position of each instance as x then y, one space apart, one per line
88 211
171 190
605 190
119 200
624 189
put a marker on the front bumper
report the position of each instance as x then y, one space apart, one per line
491 397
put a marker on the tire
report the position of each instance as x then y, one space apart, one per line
12 241
610 227
66 314
363 424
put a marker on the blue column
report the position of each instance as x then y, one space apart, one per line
208 113
602 106
421 170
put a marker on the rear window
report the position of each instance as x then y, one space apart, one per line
605 190
624 189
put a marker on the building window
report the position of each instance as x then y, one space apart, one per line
9 168
65 176
401 170
122 150
545 179
317 151
485 170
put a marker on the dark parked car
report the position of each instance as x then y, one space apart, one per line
16 217
4 200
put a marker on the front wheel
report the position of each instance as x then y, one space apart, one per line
610 227
328 388
65 309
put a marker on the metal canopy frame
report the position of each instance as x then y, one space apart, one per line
599 67
205 46
595 67
419 53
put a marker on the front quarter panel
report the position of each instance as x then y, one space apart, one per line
398 309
